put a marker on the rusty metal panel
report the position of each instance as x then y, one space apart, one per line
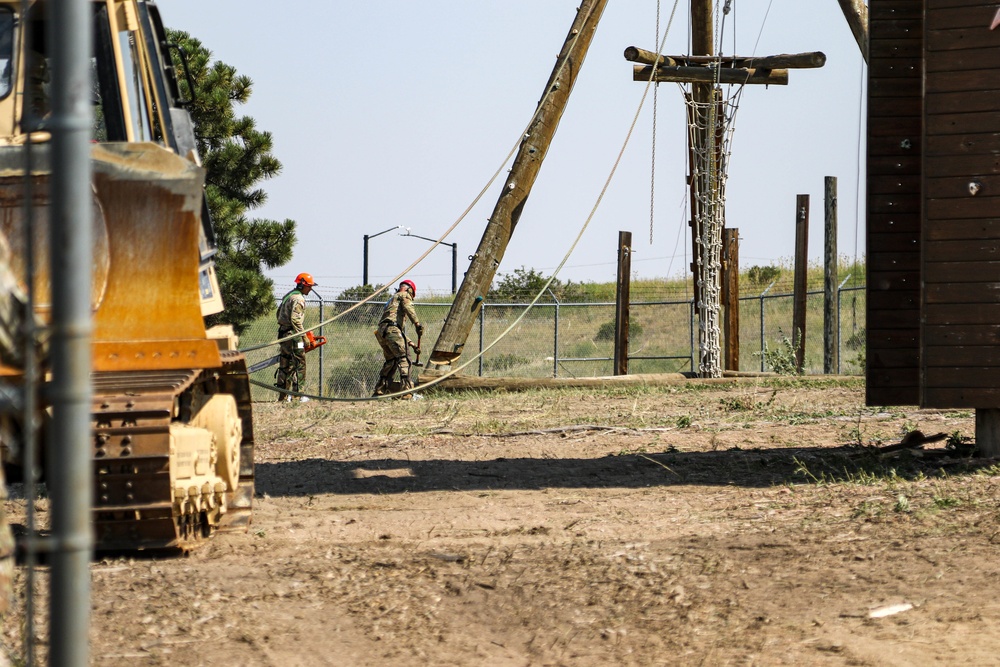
960 231
894 200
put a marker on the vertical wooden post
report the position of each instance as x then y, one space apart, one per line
731 296
831 297
622 296
801 269
702 44
988 432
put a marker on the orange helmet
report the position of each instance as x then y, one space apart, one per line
305 279
413 288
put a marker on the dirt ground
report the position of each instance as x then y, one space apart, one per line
750 523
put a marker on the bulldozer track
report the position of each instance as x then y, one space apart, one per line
133 496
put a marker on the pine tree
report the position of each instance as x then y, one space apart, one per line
237 157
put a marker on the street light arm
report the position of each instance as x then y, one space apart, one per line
417 236
386 231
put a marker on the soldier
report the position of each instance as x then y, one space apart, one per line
391 336
291 314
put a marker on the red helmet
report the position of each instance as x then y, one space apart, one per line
413 288
305 279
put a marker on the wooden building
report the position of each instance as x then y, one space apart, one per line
933 246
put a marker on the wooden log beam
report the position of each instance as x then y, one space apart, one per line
468 382
707 75
634 54
809 60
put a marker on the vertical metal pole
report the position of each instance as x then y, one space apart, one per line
321 319
762 346
69 37
30 438
840 354
762 330
555 334
454 268
482 337
692 314
364 263
30 379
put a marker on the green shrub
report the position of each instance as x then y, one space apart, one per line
782 359
356 378
760 276
607 331
503 362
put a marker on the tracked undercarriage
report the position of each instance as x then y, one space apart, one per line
173 456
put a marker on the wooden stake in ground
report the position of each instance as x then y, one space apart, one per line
731 295
801 270
622 296
831 297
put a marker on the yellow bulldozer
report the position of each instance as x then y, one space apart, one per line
171 416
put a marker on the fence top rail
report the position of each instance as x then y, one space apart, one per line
581 304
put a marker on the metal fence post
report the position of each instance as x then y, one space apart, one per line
482 336
762 294
555 344
320 392
692 314
840 352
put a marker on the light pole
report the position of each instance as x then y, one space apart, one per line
454 256
364 270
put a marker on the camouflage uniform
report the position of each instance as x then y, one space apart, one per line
391 336
292 362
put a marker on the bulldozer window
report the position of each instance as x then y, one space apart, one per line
109 119
6 50
135 89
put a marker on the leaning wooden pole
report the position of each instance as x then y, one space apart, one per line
856 13
510 204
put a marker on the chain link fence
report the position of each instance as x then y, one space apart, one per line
562 339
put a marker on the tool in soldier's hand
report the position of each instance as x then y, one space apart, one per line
312 342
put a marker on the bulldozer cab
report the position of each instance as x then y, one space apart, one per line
134 91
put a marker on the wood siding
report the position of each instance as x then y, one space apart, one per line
895 129
960 234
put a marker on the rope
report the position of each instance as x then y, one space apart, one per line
482 192
544 287
652 161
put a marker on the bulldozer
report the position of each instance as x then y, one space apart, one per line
171 417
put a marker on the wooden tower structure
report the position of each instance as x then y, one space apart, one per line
933 224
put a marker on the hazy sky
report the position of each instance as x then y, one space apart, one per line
398 112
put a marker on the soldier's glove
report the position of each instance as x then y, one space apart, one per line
420 329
